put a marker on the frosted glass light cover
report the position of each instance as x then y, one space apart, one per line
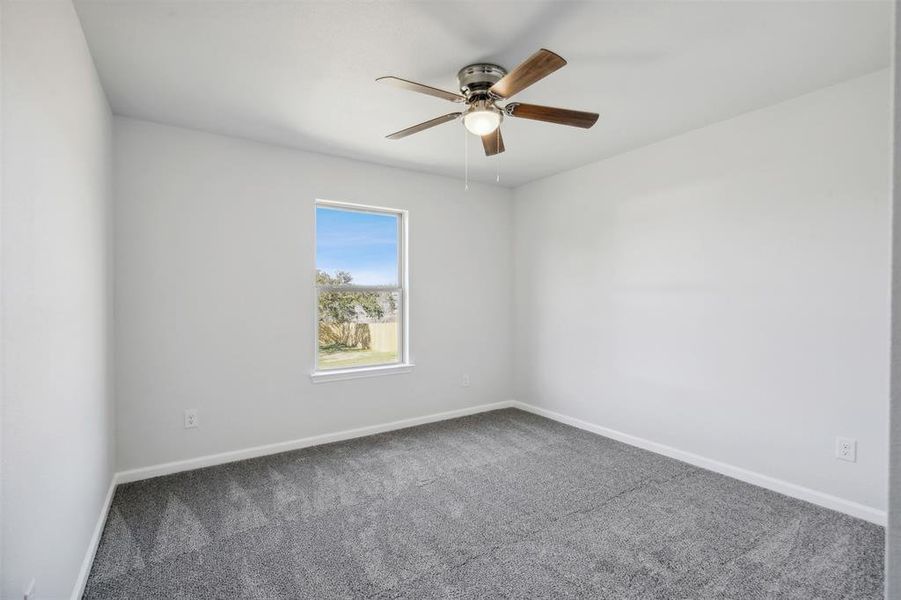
482 122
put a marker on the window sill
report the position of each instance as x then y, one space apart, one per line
358 373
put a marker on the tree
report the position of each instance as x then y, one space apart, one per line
343 307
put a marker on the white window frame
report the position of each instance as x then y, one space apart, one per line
404 363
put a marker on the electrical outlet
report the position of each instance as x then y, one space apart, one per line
192 420
465 381
846 449
29 591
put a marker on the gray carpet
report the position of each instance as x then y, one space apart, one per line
499 505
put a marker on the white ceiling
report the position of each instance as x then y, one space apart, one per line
301 74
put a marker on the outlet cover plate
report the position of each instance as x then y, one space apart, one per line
846 449
192 419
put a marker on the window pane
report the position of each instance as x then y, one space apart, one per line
358 329
354 247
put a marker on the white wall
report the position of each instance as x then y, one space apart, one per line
724 292
57 434
893 531
214 297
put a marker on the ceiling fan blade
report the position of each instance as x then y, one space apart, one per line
561 116
538 66
421 88
423 126
493 142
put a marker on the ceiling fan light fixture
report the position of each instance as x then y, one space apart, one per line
482 119
482 86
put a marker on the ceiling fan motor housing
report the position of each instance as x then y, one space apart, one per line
475 80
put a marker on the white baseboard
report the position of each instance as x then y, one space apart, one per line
316 440
81 582
861 511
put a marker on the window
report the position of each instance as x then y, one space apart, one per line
360 289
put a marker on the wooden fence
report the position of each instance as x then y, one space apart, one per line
380 337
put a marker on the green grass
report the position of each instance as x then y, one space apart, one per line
334 357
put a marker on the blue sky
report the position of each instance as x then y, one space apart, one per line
363 244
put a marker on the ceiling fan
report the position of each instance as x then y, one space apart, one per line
483 85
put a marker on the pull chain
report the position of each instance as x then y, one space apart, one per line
465 160
497 157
